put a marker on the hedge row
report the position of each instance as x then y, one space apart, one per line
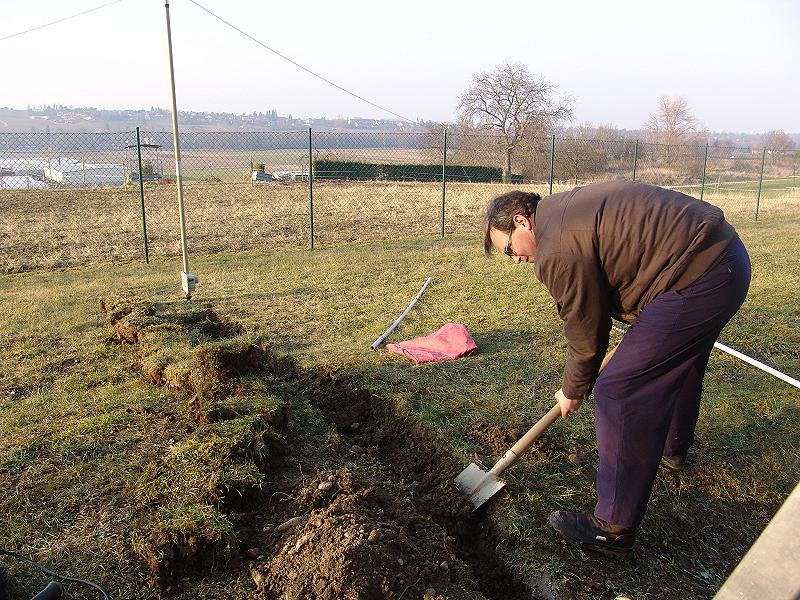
361 171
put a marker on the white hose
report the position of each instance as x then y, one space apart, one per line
747 359
760 365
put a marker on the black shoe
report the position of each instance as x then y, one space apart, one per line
676 464
584 531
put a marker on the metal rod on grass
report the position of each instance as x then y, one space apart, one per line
386 333
758 364
635 157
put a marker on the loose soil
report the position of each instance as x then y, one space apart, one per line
387 522
435 518
493 439
357 539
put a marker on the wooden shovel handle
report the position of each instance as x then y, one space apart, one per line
551 417
534 432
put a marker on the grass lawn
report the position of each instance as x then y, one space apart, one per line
84 436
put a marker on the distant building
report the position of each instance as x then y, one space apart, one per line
70 172
291 175
33 166
261 176
21 182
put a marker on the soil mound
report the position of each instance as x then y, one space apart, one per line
359 540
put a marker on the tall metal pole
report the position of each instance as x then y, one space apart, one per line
760 179
141 194
188 280
552 161
444 169
635 157
703 181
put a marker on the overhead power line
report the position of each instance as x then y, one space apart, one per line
309 71
59 20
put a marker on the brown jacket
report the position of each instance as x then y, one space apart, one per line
608 249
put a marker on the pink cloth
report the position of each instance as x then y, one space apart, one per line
451 341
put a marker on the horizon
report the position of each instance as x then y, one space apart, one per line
298 117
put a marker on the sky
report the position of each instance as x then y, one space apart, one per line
734 61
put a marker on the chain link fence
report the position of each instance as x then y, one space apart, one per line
69 199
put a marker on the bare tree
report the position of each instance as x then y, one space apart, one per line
510 101
461 147
589 151
778 140
673 123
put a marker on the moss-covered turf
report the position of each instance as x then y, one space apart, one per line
101 458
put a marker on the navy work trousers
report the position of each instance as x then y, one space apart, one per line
648 397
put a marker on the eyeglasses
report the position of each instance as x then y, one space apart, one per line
508 250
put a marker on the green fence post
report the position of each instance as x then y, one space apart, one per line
552 161
635 158
703 181
577 161
141 196
760 179
310 189
444 168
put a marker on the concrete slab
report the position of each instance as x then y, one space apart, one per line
771 568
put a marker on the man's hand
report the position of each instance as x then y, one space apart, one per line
568 405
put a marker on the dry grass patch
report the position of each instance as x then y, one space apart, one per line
55 228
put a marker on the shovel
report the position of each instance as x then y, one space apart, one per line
480 485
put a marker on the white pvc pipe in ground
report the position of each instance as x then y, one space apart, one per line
386 333
748 360
760 365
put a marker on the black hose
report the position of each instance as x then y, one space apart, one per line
50 573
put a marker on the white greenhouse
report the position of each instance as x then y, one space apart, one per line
70 172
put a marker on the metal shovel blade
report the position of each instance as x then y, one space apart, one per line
479 485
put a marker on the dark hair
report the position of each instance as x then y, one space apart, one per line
501 210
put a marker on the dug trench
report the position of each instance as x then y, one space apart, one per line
433 541
381 516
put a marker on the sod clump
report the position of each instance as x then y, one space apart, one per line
235 431
210 463
187 492
183 538
249 395
183 345
139 315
